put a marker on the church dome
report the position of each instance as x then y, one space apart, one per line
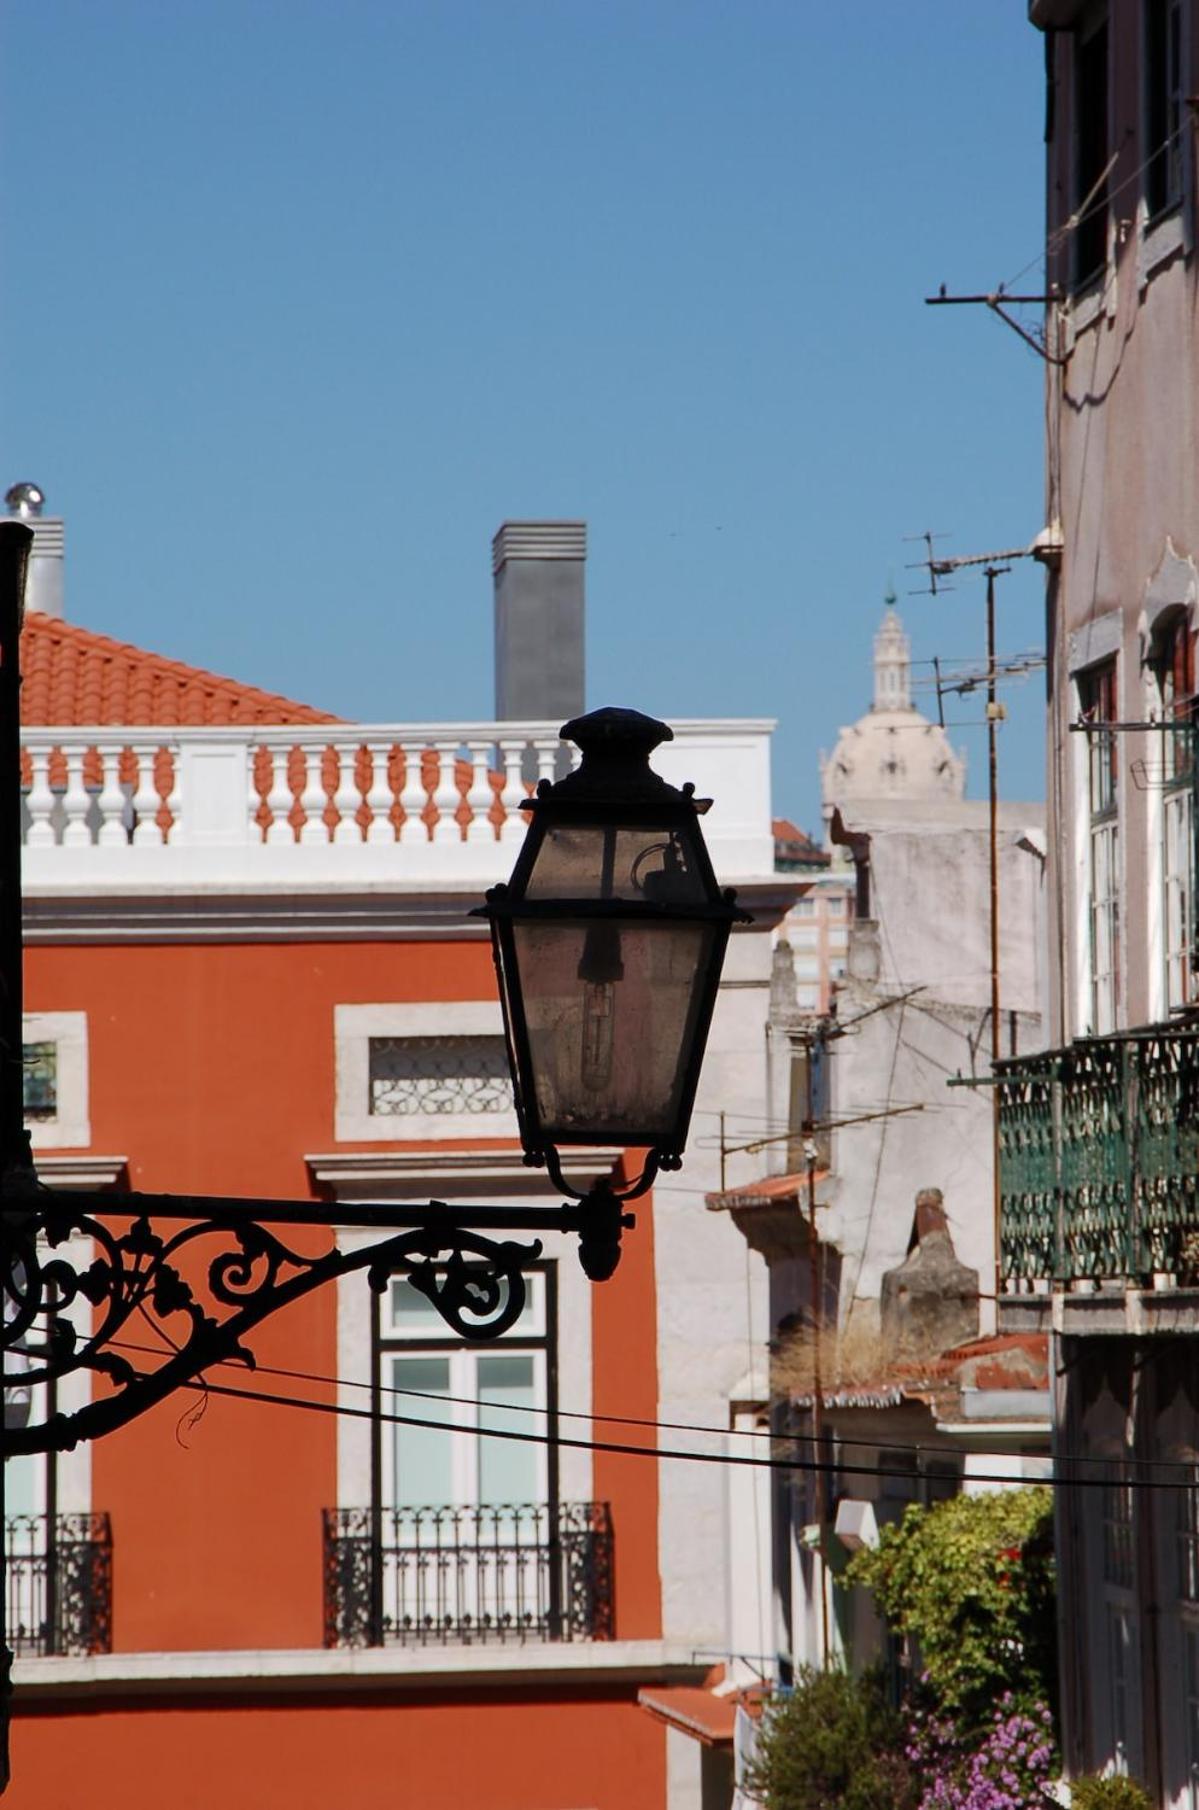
893 754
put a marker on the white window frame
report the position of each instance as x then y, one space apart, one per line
437 1341
1098 855
353 1028
70 1127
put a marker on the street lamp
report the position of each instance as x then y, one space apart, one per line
608 941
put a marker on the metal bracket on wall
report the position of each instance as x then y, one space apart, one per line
149 1257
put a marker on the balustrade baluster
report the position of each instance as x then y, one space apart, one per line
114 830
146 801
40 801
447 798
312 799
347 797
413 798
76 800
480 797
379 796
279 798
513 826
547 757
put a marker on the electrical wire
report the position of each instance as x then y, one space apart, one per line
1057 238
619 1449
914 1448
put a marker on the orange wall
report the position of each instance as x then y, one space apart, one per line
562 1753
212 1069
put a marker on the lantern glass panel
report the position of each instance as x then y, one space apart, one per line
612 1007
613 861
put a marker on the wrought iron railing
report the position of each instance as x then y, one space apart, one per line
59 1584
429 1576
1099 1160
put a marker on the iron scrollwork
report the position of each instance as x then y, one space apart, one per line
155 1294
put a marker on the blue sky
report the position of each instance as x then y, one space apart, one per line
301 299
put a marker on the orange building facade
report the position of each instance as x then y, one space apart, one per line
250 972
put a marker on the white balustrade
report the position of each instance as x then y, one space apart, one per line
234 795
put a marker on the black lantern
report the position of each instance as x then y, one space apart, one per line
609 940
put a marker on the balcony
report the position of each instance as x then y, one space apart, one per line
1099 1163
59 1584
468 1576
275 807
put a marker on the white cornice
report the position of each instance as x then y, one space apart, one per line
323 1673
411 1174
162 914
89 1172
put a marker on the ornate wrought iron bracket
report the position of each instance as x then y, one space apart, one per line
197 1275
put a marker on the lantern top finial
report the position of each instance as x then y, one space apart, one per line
616 746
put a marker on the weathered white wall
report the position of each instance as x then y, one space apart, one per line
930 902
712 1305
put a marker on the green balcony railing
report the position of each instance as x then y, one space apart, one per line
1099 1160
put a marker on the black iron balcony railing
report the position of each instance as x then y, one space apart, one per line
427 1576
59 1584
1099 1161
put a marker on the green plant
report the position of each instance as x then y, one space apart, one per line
833 1741
971 1582
1094 1793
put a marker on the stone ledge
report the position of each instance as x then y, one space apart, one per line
585 1665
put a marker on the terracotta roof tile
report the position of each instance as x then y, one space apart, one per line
72 675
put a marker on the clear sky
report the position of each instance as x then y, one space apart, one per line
302 298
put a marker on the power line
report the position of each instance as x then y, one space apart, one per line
621 1450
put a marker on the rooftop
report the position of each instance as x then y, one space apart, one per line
74 676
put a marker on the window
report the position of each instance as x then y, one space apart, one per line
438 1075
481 1391
1163 106
1174 670
466 1539
1097 699
1091 153
55 1080
40 1080
422 1070
805 908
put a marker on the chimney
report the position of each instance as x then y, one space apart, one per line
43 585
538 569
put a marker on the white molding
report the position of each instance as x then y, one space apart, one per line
353 1028
1174 584
403 1174
90 1172
343 1670
70 1128
384 912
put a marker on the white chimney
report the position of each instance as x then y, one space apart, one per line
43 586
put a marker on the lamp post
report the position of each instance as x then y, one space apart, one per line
608 943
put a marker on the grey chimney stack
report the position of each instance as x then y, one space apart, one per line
43 585
538 569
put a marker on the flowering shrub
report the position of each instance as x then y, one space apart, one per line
970 1582
1004 1770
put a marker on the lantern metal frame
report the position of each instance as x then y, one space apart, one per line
614 789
